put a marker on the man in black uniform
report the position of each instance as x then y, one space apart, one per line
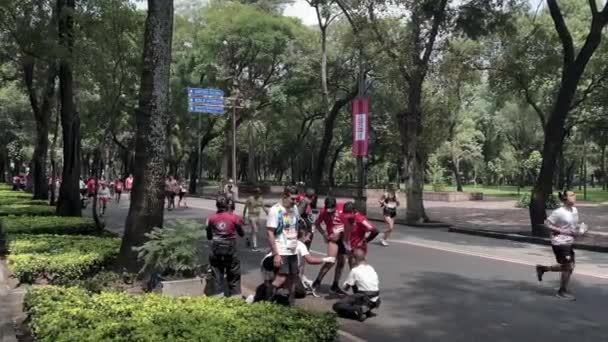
222 229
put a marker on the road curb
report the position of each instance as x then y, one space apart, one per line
524 238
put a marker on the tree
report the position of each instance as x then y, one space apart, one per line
69 193
152 117
573 67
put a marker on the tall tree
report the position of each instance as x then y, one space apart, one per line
152 118
69 195
573 67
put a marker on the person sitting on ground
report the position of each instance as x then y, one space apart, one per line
364 282
266 292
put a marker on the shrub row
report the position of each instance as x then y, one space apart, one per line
4 186
27 210
14 194
73 314
524 201
21 200
47 225
59 259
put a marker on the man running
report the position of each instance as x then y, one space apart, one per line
331 218
282 232
129 184
222 229
252 211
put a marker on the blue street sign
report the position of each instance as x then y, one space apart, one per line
205 92
202 100
205 109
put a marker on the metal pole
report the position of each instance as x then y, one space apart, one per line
234 147
361 172
199 162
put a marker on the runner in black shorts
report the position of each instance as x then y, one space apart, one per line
564 227
388 203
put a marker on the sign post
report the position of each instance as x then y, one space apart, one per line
360 145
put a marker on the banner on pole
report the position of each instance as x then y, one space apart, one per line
360 126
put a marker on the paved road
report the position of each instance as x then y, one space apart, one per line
440 286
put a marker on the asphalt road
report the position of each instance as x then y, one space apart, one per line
440 286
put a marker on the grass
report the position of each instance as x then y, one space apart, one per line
509 191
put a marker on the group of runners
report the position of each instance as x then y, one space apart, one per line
291 226
104 190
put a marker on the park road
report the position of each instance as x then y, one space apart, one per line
441 286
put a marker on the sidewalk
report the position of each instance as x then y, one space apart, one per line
493 217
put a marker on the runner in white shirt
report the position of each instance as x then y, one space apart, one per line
564 226
282 232
363 279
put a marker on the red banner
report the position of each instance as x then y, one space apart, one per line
360 126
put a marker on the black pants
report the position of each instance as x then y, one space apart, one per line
356 305
225 264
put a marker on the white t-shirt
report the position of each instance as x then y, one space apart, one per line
365 277
104 193
285 224
565 219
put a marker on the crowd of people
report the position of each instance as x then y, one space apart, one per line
291 225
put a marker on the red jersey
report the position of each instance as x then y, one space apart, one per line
129 183
118 186
358 231
224 225
91 186
333 221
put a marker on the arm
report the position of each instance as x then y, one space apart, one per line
239 230
372 235
245 208
312 260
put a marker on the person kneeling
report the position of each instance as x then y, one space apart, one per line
363 279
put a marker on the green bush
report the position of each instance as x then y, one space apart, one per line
174 249
4 186
59 258
47 225
524 201
15 194
72 314
27 210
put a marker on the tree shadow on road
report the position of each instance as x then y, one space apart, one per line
432 306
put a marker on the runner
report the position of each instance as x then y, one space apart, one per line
331 218
182 195
222 229
251 213
388 203
171 189
229 193
104 196
363 279
129 184
563 223
282 232
117 190
358 231
307 208
91 187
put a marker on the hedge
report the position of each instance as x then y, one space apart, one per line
59 258
47 225
73 314
21 200
4 186
15 194
27 210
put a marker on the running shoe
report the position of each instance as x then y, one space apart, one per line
539 272
335 289
384 243
565 296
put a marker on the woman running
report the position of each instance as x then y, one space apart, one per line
564 227
388 203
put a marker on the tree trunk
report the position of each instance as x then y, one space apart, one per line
456 172
69 196
193 172
147 202
603 166
332 165
54 160
3 163
97 175
251 174
410 128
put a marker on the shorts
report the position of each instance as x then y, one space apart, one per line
118 192
289 266
389 212
564 254
181 195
